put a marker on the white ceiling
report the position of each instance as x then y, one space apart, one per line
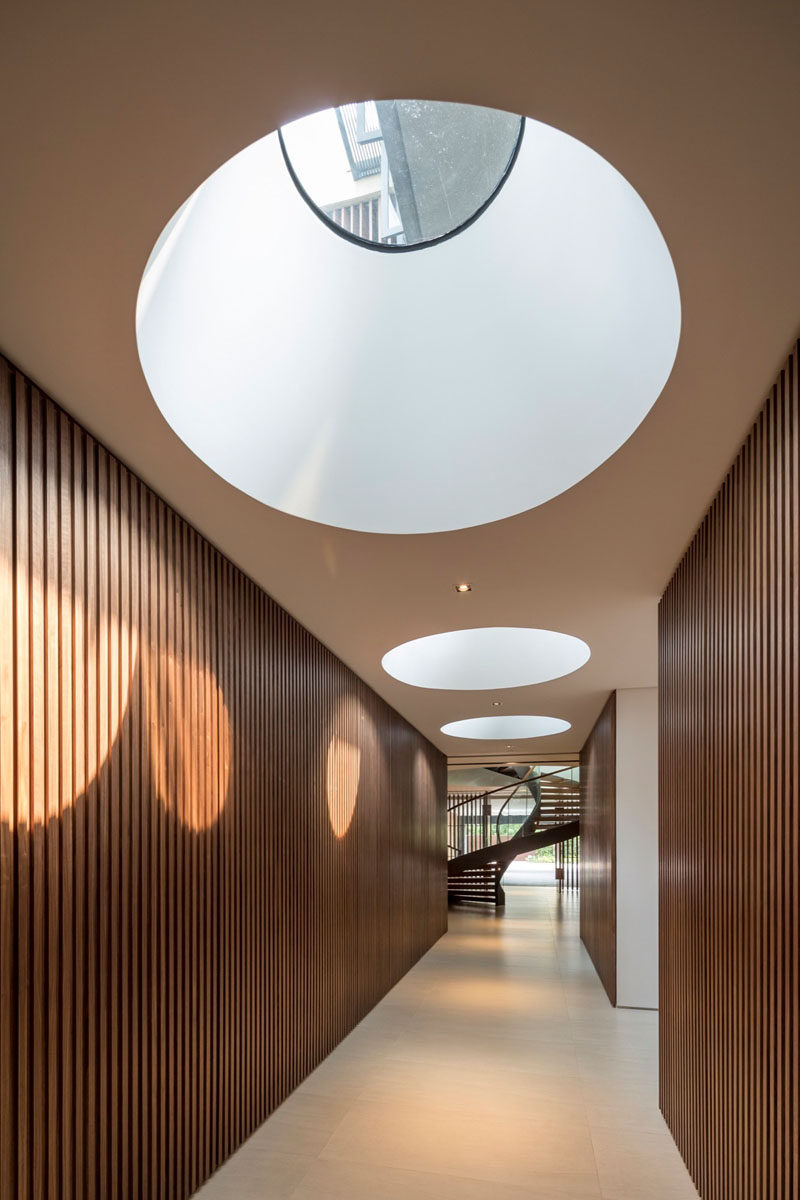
111 116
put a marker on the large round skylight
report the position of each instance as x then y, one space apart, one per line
507 728
400 174
482 659
410 393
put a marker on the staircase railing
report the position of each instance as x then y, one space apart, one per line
530 815
499 815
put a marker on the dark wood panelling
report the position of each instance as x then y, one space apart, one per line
218 847
729 820
599 846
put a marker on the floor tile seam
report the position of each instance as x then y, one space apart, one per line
564 980
333 1131
533 1075
669 1150
303 1177
277 1118
474 1115
585 1109
357 1159
218 1177
456 1177
609 1195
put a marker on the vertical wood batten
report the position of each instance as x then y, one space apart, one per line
182 935
598 893
729 643
8 895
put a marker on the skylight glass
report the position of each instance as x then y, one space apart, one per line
401 173
410 393
488 658
507 728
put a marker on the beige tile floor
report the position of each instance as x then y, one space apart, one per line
495 1070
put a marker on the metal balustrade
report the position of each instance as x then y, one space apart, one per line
522 812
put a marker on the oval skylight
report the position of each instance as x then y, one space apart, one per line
488 658
410 393
400 174
506 728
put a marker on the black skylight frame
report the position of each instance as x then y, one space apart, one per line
387 248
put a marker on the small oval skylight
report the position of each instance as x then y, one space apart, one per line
502 728
400 174
488 658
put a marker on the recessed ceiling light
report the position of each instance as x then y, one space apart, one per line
557 310
463 587
493 658
498 728
497 704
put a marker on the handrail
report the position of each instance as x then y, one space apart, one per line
515 784
472 825
537 807
535 811
511 783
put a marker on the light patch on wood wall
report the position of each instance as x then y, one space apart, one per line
112 657
63 711
191 756
343 774
162 990
350 735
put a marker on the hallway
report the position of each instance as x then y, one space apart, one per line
495 1068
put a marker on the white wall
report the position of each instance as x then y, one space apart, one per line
637 847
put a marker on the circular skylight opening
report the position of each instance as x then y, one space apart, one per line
411 393
400 174
483 659
515 728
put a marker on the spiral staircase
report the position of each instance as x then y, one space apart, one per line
487 830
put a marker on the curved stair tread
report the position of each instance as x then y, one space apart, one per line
506 851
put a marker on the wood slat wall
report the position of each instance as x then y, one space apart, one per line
729 825
183 937
599 846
